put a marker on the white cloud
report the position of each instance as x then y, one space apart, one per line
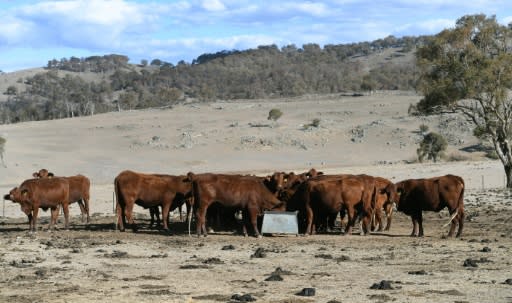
213 5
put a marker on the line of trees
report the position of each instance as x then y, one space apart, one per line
263 72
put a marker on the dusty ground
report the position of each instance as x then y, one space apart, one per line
95 263
370 134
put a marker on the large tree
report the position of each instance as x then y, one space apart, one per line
468 69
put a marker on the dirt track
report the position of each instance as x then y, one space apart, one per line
95 263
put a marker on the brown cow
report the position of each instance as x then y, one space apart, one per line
330 194
79 190
433 194
149 191
246 193
385 196
33 194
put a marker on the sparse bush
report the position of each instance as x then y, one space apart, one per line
455 157
314 123
423 128
274 114
431 147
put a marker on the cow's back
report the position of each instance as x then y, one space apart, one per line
79 187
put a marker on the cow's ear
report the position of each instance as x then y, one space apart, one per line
400 191
50 175
24 193
35 175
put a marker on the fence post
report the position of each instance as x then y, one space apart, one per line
483 183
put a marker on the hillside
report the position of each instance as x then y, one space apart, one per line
73 86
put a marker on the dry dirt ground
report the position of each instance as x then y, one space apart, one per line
368 134
95 263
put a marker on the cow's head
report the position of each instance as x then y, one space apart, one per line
275 183
42 173
400 190
391 192
17 195
190 177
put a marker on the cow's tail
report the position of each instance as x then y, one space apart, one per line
460 203
452 217
194 200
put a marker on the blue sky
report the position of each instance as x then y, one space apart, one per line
33 32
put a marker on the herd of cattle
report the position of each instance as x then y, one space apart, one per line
318 198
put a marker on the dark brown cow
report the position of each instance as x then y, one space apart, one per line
149 191
330 194
33 194
433 194
246 193
385 196
79 190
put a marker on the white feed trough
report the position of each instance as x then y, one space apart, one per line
280 222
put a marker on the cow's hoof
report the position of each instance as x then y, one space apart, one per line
259 236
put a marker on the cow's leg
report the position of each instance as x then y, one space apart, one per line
377 220
120 217
420 225
30 222
342 220
458 219
166 208
461 216
367 217
35 211
309 220
414 226
201 219
82 210
53 217
65 208
128 214
389 211
253 217
180 209
86 205
351 220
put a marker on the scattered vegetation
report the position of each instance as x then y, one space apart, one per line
314 123
423 129
468 69
431 147
85 86
274 114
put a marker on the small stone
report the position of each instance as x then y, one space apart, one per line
307 292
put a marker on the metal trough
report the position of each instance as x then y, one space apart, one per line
280 222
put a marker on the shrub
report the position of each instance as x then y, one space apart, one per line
314 123
431 147
274 114
423 128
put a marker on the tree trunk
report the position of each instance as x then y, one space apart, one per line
508 173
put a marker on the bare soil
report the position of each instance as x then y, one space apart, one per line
95 263
366 134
